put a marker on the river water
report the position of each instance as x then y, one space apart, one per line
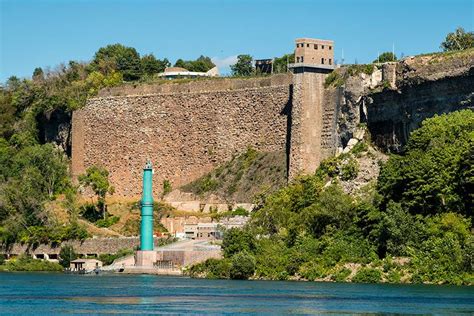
55 293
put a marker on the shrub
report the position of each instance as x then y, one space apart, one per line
394 276
109 258
166 187
349 169
107 222
341 275
334 79
357 69
243 266
367 275
211 268
312 270
359 148
26 263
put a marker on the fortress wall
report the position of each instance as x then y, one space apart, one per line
197 85
185 133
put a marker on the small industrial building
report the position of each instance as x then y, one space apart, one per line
84 265
203 231
264 66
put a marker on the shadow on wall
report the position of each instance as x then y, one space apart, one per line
287 110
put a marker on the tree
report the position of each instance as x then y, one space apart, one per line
243 66
98 179
38 74
150 65
431 176
458 40
385 57
202 64
243 266
236 240
66 255
280 64
118 57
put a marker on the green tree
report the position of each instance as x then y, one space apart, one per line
38 74
118 57
98 179
430 177
150 65
385 57
201 64
280 64
236 240
333 207
242 266
66 255
243 66
458 40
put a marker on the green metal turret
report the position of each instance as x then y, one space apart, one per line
146 227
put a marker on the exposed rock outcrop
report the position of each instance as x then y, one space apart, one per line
396 97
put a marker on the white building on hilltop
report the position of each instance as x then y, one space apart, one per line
178 72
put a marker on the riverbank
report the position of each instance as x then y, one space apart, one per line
28 264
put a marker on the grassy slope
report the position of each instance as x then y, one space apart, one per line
244 177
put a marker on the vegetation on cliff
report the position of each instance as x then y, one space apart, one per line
458 40
243 178
414 226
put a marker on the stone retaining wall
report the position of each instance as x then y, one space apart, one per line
185 133
95 246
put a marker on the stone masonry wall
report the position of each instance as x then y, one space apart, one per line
307 122
186 132
95 246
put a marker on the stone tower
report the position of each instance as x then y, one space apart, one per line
314 61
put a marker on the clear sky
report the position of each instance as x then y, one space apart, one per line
47 32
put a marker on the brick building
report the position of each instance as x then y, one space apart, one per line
314 52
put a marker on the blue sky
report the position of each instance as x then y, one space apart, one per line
47 32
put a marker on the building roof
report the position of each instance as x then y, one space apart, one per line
178 71
175 69
85 260
313 40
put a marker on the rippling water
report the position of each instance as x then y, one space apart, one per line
53 293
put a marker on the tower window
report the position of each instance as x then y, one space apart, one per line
330 47
307 45
322 46
322 61
315 46
330 61
301 58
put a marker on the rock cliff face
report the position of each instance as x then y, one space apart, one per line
396 97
